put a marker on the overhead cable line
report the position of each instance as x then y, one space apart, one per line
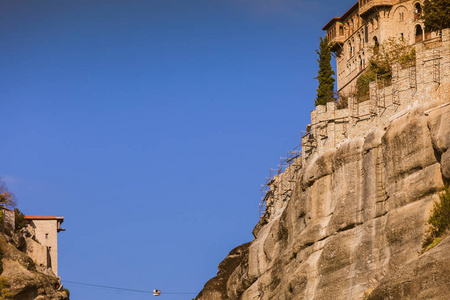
125 289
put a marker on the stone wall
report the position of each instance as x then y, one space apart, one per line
9 217
46 252
428 82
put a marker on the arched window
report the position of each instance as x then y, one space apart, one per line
360 42
417 11
350 50
419 33
341 30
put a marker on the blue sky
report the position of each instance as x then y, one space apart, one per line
150 126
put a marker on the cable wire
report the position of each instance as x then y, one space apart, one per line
125 289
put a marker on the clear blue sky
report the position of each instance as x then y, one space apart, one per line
150 126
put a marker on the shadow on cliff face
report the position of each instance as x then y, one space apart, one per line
216 288
29 293
426 277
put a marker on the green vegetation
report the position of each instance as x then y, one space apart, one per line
341 101
380 65
4 289
434 243
325 74
7 199
408 59
1 257
436 14
19 219
439 221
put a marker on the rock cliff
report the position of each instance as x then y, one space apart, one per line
352 224
21 278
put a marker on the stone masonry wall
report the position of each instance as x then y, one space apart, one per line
9 217
46 234
428 80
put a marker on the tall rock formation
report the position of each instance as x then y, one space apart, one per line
351 224
20 277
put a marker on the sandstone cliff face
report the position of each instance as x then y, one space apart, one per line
354 224
27 280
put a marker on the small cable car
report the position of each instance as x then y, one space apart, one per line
156 293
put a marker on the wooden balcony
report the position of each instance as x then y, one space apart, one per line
335 34
339 39
366 6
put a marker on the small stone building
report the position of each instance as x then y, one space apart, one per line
43 245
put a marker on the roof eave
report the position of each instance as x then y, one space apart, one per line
330 23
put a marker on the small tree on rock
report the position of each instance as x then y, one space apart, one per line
436 14
325 74
7 199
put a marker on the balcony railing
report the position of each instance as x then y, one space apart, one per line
366 5
417 16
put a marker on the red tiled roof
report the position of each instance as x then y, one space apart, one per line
43 218
330 22
342 17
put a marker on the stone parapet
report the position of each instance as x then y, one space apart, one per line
426 82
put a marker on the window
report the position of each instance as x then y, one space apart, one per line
419 33
417 11
401 16
46 235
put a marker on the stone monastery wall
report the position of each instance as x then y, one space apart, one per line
428 80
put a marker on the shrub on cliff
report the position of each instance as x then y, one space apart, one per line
4 289
325 74
7 198
380 65
439 220
19 219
